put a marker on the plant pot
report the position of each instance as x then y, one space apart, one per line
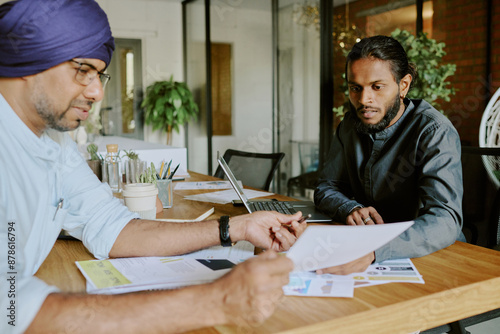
96 167
133 169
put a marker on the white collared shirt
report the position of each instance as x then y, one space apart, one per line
35 174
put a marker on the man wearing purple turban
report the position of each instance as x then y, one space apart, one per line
51 53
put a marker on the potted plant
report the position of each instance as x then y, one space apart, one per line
95 161
151 176
168 105
134 167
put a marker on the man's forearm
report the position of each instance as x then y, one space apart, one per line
333 201
427 235
153 238
149 312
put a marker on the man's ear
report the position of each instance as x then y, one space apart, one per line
404 85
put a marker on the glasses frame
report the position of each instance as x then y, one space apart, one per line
103 77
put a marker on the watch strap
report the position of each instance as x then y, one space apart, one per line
225 239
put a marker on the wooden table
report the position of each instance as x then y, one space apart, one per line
460 281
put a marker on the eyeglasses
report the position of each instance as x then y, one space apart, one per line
86 73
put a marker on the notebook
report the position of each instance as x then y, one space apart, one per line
306 207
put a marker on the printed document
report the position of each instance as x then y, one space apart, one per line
225 196
124 275
204 185
323 246
148 273
327 285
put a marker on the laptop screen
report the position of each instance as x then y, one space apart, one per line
234 182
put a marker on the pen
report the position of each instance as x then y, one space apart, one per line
303 219
172 175
59 206
167 170
161 168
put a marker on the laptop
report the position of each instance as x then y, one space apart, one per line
291 207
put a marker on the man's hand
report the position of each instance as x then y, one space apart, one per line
355 266
269 229
364 216
251 291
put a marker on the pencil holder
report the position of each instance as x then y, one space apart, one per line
165 192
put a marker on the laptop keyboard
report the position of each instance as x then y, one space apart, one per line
283 207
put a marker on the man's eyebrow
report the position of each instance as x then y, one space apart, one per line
91 66
350 82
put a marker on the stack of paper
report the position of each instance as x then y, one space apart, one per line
124 275
149 273
225 196
203 185
310 284
320 246
323 246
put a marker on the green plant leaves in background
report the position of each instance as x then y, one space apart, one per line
168 105
432 84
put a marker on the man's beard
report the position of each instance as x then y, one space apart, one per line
52 120
46 110
392 111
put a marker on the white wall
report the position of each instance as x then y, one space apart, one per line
250 34
159 26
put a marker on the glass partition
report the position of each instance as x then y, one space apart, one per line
298 86
241 76
196 78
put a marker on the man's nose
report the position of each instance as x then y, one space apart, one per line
366 97
94 91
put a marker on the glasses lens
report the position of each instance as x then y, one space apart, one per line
104 79
85 74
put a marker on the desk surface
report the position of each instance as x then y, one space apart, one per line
460 281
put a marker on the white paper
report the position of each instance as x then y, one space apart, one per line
147 273
240 252
323 246
312 285
225 196
400 270
204 185
308 284
115 276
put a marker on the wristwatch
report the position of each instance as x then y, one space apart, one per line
225 239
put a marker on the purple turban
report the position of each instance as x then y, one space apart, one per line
36 35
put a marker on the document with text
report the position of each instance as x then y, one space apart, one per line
308 284
124 275
323 246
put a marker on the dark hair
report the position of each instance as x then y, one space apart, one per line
387 49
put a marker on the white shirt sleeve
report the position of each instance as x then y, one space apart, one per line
21 299
93 214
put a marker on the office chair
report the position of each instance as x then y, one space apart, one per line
255 170
301 183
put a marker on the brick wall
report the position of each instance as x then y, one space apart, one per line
461 24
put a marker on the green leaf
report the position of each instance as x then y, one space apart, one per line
168 103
